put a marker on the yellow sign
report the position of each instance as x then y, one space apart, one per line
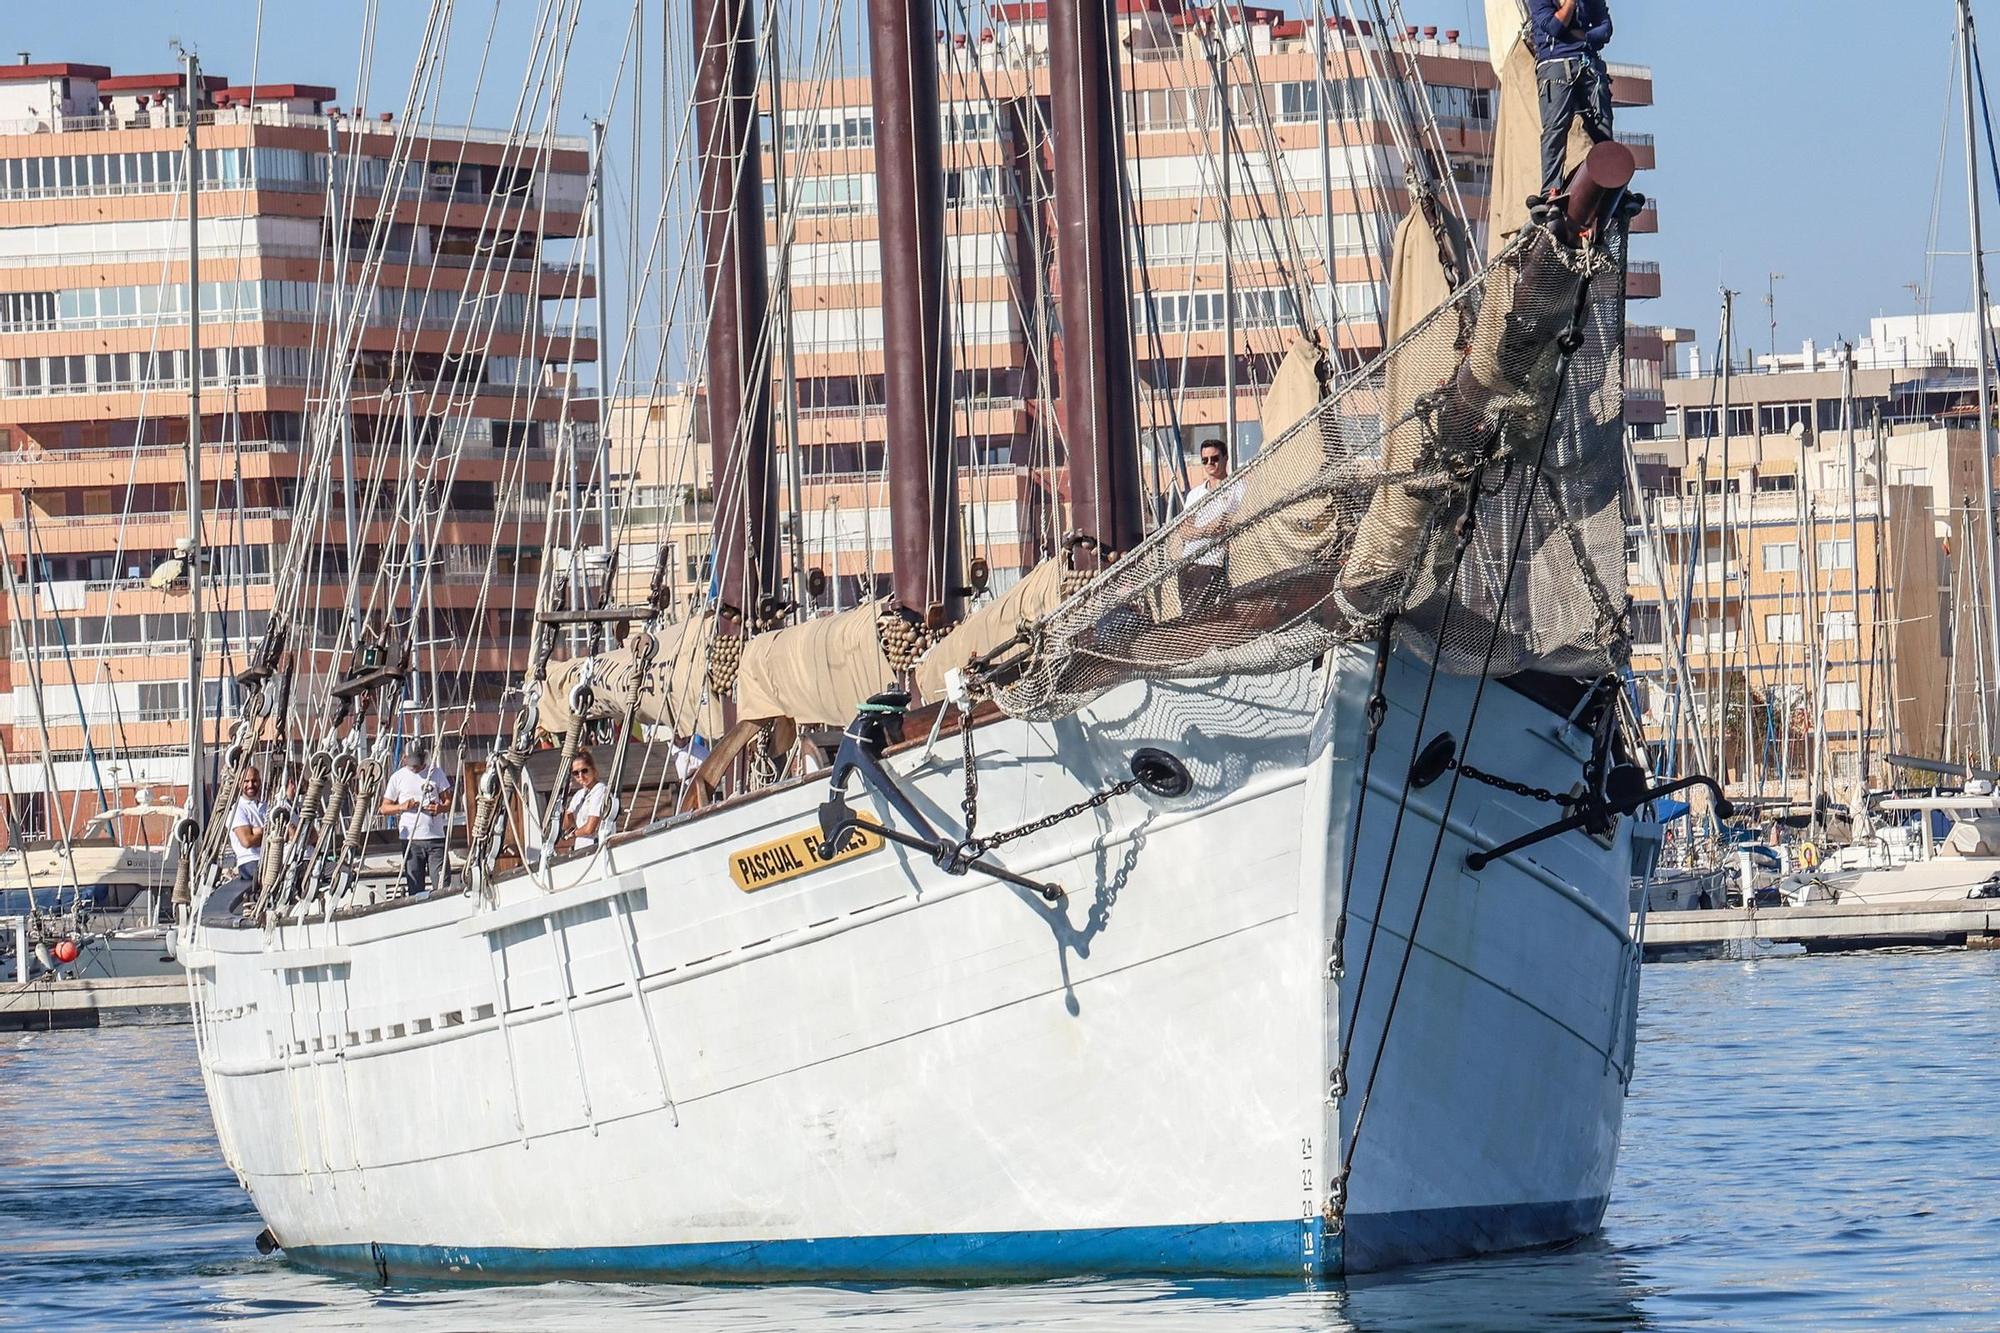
797 854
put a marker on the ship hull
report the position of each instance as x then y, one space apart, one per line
875 1070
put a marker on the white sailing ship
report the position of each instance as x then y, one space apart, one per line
1279 932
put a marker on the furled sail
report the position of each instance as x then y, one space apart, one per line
816 673
674 693
1038 592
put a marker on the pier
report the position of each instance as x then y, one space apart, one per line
1826 927
49 1001
88 1002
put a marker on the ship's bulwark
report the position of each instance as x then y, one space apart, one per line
876 1070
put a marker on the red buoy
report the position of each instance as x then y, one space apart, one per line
66 951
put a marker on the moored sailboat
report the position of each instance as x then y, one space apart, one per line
1275 930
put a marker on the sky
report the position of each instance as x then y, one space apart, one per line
1800 137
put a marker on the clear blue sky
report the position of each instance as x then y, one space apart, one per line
1800 136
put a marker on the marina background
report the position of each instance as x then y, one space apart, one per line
1808 1145
1801 138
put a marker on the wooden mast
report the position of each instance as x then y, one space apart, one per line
916 329
739 403
197 794
1098 409
1983 319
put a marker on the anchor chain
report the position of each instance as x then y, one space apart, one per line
971 848
1543 794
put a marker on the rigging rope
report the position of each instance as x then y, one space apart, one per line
1571 341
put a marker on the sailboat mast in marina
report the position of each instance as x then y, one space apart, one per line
1123 922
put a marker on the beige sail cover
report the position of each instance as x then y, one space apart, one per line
1506 24
1295 390
1517 133
675 693
1393 526
816 673
1038 592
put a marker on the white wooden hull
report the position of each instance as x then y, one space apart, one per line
882 1071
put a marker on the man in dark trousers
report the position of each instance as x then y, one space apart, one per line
1569 37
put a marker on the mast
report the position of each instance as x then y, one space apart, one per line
731 201
1808 610
351 528
1968 42
788 403
1320 91
1226 122
1817 756
196 796
1720 579
1098 409
423 693
604 386
1854 555
922 463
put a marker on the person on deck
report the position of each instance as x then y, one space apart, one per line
1569 37
419 794
591 811
246 832
1204 577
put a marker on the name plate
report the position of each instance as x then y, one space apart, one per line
796 854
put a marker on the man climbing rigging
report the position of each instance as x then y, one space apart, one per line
1569 38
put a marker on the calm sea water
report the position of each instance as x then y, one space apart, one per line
1810 1144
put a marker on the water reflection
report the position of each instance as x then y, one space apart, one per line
1586 1288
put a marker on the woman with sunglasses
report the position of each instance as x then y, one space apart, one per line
591 810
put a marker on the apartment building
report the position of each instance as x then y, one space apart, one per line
1830 570
453 357
1308 249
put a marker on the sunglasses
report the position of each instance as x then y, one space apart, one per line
581 772
1211 458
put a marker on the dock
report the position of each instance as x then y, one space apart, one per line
1825 927
47 1003
48 1000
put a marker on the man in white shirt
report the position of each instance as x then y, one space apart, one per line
246 831
419 794
1211 503
588 818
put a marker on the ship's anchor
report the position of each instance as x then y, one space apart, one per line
880 723
1622 792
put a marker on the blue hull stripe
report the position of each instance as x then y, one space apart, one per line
1375 1241
1273 1249
1294 1249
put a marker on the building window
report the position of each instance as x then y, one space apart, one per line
1836 554
1839 625
1783 481
1780 556
1781 418
1832 416
1784 627
1702 422
1843 696
1646 624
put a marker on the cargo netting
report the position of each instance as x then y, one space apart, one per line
1358 510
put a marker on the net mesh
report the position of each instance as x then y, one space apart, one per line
1360 509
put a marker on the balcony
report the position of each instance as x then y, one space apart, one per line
139 518
1643 153
1642 281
